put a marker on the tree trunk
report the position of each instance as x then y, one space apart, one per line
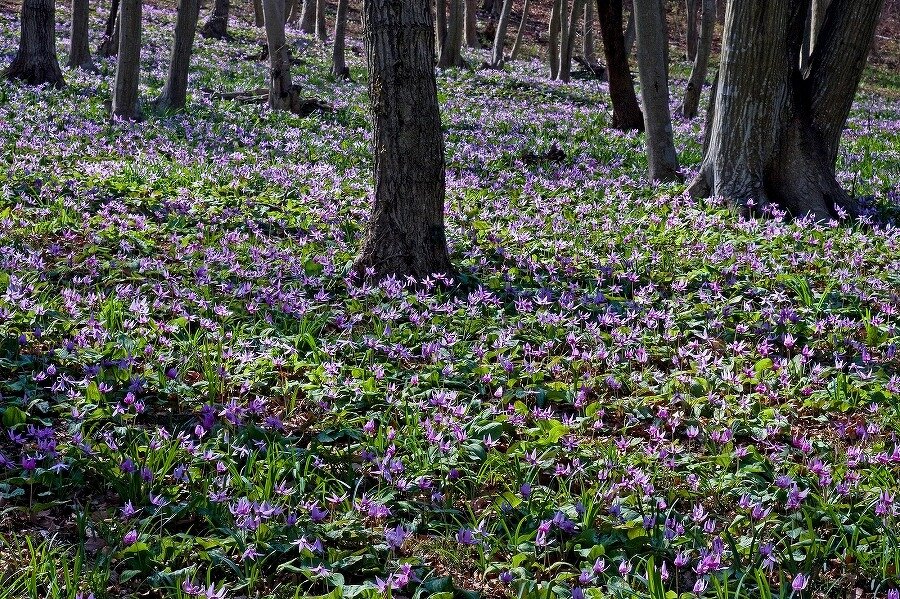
451 52
817 11
627 114
563 34
174 92
258 13
110 44
338 60
307 16
321 25
472 24
568 45
654 77
440 23
692 33
701 61
79 44
521 33
35 62
630 35
125 101
773 136
553 44
587 37
280 87
405 234
216 26
500 35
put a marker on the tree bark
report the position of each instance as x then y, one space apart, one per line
568 46
110 44
79 44
174 92
500 35
321 25
701 61
405 235
338 56
563 34
440 23
587 37
451 52
630 36
280 87
258 13
627 114
35 62
125 100
517 45
554 33
692 31
773 136
216 26
817 11
654 77
472 24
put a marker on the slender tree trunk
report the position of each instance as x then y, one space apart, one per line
440 23
280 87
817 11
174 92
451 52
563 34
701 61
307 16
692 31
521 33
500 35
216 26
772 135
472 24
554 33
35 62
405 234
587 37
321 25
258 13
627 114
630 34
568 45
79 44
110 44
338 61
654 77
125 100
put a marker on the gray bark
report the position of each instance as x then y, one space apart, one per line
817 11
692 30
258 17
563 34
174 92
701 61
587 37
630 34
125 100
567 47
517 45
440 23
280 87
35 62
773 136
308 17
321 26
338 55
654 78
79 44
500 35
451 51
627 114
472 24
405 234
110 44
216 26
554 33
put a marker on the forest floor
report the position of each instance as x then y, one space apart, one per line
624 393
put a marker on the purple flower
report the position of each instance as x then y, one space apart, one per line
799 583
465 536
130 537
395 537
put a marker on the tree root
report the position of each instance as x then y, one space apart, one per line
594 68
299 105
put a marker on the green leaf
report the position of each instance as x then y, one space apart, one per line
13 416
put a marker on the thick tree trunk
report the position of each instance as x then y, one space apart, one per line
174 92
587 37
216 26
125 101
630 34
654 76
500 35
554 33
321 25
440 23
772 135
338 59
472 24
258 17
79 44
405 234
35 62
567 48
517 45
110 43
627 114
692 31
451 51
701 61
280 88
